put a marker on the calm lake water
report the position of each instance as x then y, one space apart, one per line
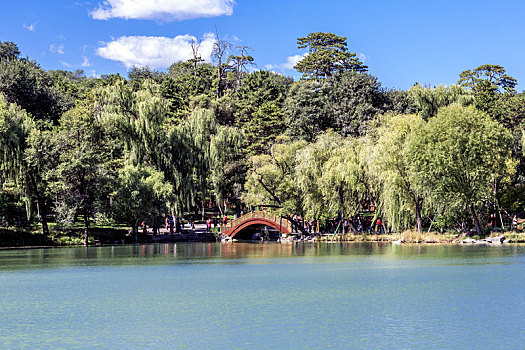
263 296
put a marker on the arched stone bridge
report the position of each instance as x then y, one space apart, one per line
246 225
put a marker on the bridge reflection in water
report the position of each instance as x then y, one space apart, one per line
245 226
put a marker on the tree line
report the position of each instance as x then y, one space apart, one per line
115 149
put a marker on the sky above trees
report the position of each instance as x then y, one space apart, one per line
402 42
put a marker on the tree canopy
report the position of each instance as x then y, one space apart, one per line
327 54
219 137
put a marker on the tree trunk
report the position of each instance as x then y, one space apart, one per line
27 205
352 227
41 207
219 78
476 220
136 231
42 213
155 227
502 225
419 219
86 225
296 224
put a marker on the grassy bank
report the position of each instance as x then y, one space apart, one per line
16 237
412 236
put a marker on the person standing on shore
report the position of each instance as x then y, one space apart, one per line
170 224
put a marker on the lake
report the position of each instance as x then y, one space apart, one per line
264 296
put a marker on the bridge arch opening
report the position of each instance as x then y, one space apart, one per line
246 226
255 232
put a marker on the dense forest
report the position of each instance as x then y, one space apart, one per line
122 150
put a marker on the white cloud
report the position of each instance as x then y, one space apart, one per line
65 64
31 27
155 52
57 48
164 10
291 61
362 57
85 62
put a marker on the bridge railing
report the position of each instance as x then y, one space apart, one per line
257 215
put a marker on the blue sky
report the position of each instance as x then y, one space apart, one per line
401 41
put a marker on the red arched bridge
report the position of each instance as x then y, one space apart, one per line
246 225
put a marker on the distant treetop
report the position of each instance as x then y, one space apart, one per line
488 76
327 55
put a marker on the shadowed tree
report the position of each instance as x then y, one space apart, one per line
9 50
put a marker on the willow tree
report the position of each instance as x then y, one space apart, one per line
345 180
332 174
309 172
270 179
215 156
393 155
429 100
139 119
227 164
26 155
460 157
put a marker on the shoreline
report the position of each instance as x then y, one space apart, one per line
393 239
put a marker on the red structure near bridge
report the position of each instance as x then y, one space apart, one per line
246 225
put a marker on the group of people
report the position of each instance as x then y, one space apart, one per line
359 223
177 224
215 221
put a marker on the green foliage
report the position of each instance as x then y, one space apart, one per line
14 128
327 54
11 205
307 112
265 125
215 155
464 156
509 110
139 119
430 100
489 83
83 174
345 103
115 150
23 82
72 86
309 173
259 108
513 199
137 75
354 99
487 77
9 50
332 175
271 178
142 194
27 155
392 162
399 102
